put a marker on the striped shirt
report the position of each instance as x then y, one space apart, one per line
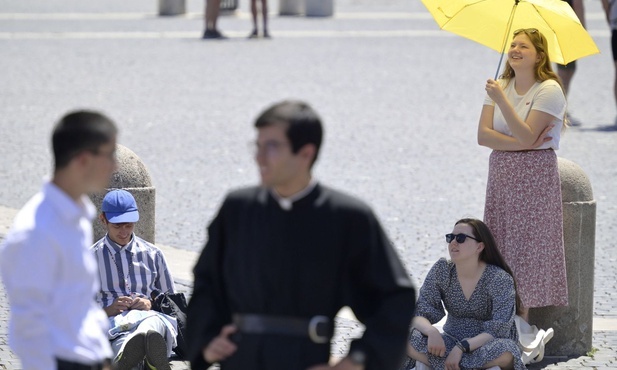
135 269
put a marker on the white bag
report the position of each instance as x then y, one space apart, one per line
531 341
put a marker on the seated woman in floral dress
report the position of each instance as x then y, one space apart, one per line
477 289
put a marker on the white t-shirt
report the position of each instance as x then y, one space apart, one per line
545 96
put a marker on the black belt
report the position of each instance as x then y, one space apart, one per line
70 365
318 328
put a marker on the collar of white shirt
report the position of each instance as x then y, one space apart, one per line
71 210
286 203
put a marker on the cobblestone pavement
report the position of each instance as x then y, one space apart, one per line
400 101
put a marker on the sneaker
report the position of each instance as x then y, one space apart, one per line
213 35
133 353
156 351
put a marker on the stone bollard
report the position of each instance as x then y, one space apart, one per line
319 8
291 7
133 177
172 7
573 325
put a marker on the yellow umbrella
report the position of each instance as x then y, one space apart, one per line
490 22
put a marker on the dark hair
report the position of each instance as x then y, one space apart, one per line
80 131
303 124
490 254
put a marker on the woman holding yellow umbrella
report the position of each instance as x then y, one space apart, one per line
521 120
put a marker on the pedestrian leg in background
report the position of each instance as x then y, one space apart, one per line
614 47
566 72
615 84
211 17
611 17
264 13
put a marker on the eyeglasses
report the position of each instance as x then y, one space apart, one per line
460 238
526 30
269 148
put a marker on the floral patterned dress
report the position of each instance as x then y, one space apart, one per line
523 209
490 309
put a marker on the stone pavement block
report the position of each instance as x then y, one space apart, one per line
608 361
594 364
550 362
10 365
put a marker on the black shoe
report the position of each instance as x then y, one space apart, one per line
133 353
253 35
213 34
156 351
267 34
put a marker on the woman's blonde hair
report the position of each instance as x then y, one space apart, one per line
544 70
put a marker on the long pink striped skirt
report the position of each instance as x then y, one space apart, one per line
524 212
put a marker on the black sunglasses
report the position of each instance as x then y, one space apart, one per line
460 238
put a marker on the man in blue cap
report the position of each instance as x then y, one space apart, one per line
130 269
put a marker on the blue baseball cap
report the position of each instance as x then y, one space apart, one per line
119 207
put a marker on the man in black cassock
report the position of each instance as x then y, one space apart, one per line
284 257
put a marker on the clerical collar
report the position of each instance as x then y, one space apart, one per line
286 203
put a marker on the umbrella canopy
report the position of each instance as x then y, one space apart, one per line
491 22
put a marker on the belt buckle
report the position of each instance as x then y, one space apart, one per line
312 329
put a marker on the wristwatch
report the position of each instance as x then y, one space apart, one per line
465 345
357 357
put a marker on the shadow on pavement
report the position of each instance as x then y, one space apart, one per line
600 127
550 361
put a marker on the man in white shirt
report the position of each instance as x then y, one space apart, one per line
49 274
130 269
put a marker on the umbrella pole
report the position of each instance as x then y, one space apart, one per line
505 37
498 66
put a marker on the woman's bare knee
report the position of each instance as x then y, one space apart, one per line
505 361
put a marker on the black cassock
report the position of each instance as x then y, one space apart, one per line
326 252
